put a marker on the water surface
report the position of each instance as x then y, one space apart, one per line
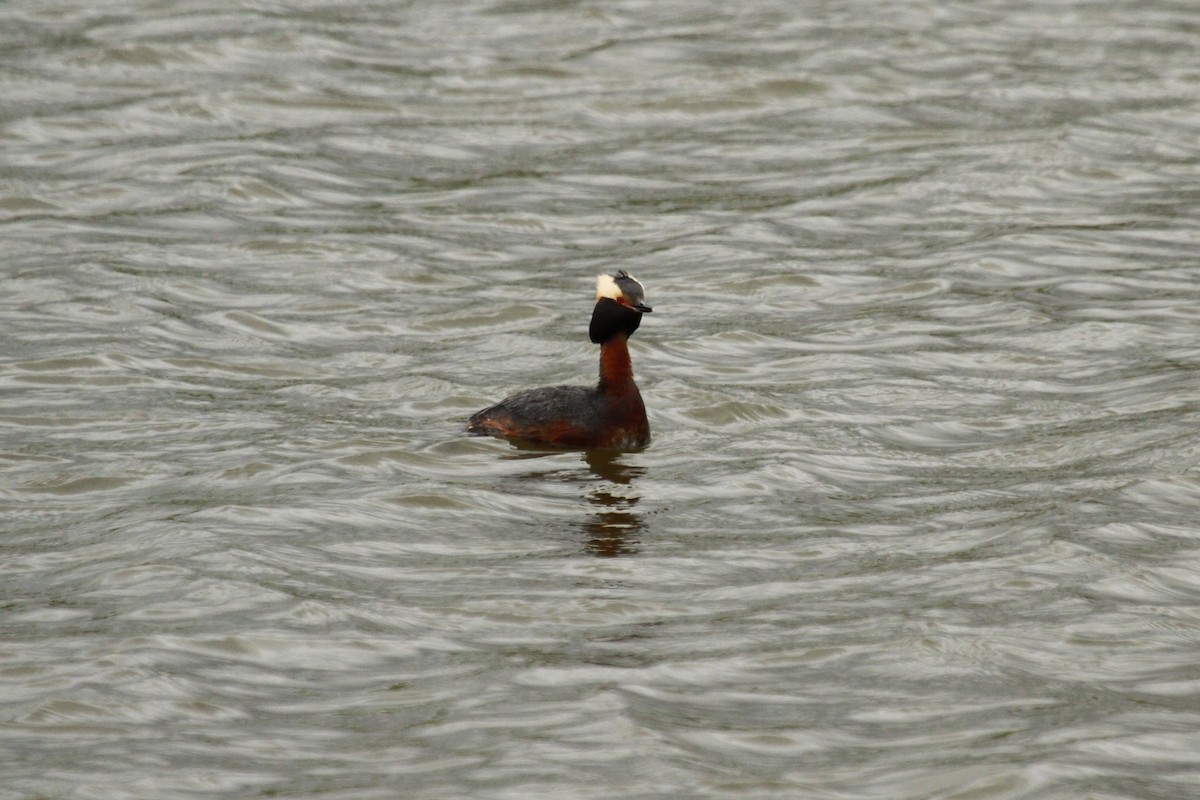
919 517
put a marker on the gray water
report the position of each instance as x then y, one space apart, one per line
920 517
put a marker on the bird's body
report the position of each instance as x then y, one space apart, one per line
609 415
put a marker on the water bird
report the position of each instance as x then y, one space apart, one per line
608 416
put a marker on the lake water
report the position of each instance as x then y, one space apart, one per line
921 517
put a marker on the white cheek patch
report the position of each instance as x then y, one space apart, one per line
607 287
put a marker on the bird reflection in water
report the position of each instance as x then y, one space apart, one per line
614 528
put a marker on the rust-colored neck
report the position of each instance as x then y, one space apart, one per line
616 370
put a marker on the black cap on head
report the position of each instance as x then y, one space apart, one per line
624 289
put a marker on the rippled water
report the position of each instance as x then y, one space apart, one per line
920 515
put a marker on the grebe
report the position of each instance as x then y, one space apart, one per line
610 416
